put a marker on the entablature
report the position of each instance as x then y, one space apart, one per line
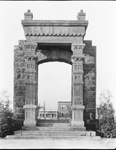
54 28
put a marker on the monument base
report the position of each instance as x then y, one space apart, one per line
29 115
77 125
29 123
77 117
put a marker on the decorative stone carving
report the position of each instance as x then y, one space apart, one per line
30 100
30 66
90 80
78 101
54 31
81 15
77 47
89 59
28 15
77 60
40 55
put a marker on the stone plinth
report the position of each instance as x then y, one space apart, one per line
77 116
29 115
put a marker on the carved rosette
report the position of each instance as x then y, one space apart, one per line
77 101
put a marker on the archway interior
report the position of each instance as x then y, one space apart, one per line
54 84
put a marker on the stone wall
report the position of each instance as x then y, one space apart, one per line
19 80
89 93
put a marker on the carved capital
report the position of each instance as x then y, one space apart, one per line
30 50
77 50
29 46
77 47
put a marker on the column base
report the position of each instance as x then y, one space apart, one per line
77 117
29 123
29 115
77 124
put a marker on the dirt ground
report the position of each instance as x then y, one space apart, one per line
59 143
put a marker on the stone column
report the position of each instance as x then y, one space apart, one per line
31 85
77 86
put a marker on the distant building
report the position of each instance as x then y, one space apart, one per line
48 114
64 109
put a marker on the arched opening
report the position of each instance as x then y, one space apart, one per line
54 85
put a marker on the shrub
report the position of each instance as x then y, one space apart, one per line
106 123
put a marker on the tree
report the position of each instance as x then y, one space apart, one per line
105 112
5 105
6 114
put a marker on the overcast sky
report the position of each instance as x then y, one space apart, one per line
55 78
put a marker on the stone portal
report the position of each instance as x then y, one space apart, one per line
55 40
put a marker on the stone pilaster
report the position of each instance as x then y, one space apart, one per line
31 85
77 86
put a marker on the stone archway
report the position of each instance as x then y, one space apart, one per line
51 40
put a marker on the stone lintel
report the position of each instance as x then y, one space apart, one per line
54 39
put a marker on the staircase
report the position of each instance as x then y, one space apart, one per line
57 131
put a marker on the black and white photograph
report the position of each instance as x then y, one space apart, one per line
57 74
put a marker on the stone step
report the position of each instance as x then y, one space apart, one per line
48 134
53 137
61 124
51 133
53 129
56 131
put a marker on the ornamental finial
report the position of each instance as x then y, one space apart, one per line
28 15
81 15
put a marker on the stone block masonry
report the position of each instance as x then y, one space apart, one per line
55 40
